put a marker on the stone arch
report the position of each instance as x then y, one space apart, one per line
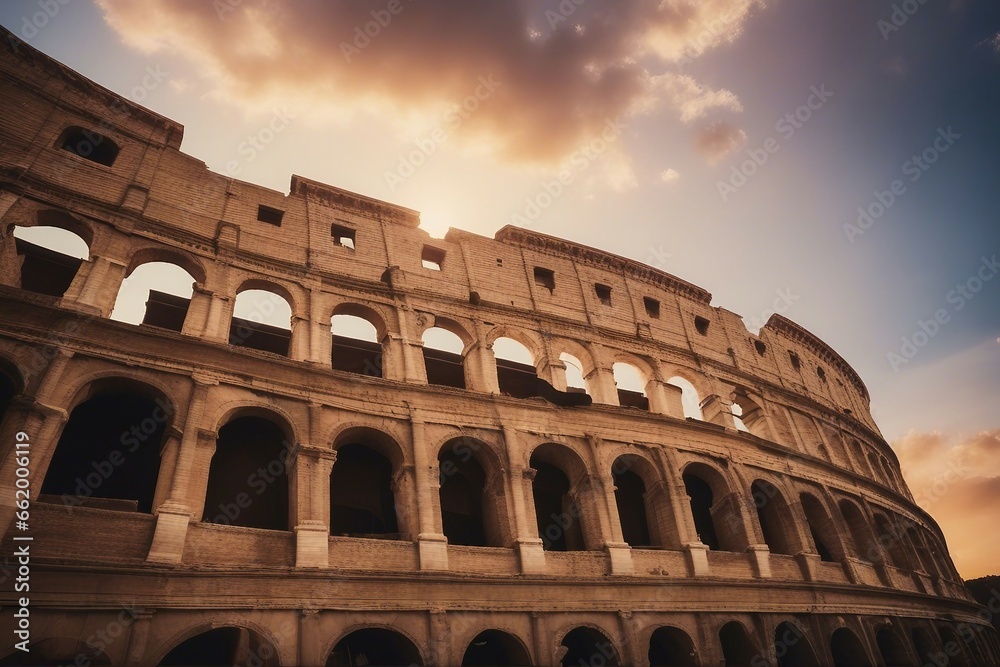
494 648
427 321
46 266
443 367
352 351
366 489
670 646
252 331
633 478
581 353
380 644
891 535
792 647
157 289
473 501
565 507
775 518
924 645
891 647
752 415
517 377
715 509
691 395
190 263
953 647
529 339
638 395
586 643
37 216
847 650
738 647
865 545
164 648
250 440
110 446
919 548
240 407
823 531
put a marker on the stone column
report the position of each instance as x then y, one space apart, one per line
175 513
673 404
219 319
543 656
714 410
309 479
197 316
432 544
632 653
619 552
656 392
601 382
138 638
695 550
95 287
481 368
440 635
311 639
529 544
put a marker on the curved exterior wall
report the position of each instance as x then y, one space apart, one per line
148 581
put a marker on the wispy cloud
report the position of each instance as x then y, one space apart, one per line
562 76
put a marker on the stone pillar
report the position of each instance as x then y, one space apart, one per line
309 479
196 319
299 346
760 560
135 655
619 552
168 465
175 513
529 544
440 635
715 411
673 400
631 653
656 392
543 654
311 639
95 287
601 383
432 544
481 368
219 319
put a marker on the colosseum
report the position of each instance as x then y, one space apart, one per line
202 487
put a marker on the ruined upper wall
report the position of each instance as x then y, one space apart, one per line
154 191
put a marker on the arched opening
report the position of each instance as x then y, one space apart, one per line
716 512
516 374
222 647
792 647
362 498
356 344
89 145
631 386
737 647
469 497
893 651
923 553
847 650
924 646
630 497
262 320
864 542
248 476
108 455
690 401
50 258
587 646
576 382
702 500
821 529
671 647
494 648
443 359
371 647
953 647
558 509
891 537
749 416
155 294
775 518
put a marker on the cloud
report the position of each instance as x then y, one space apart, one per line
669 175
957 480
719 140
563 68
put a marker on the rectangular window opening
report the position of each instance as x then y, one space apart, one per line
701 324
342 236
603 293
652 307
271 216
545 278
432 258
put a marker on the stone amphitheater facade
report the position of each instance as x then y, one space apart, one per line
285 497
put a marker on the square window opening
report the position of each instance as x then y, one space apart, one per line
652 307
603 293
701 324
432 258
342 236
271 216
545 278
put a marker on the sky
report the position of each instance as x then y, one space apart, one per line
834 161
